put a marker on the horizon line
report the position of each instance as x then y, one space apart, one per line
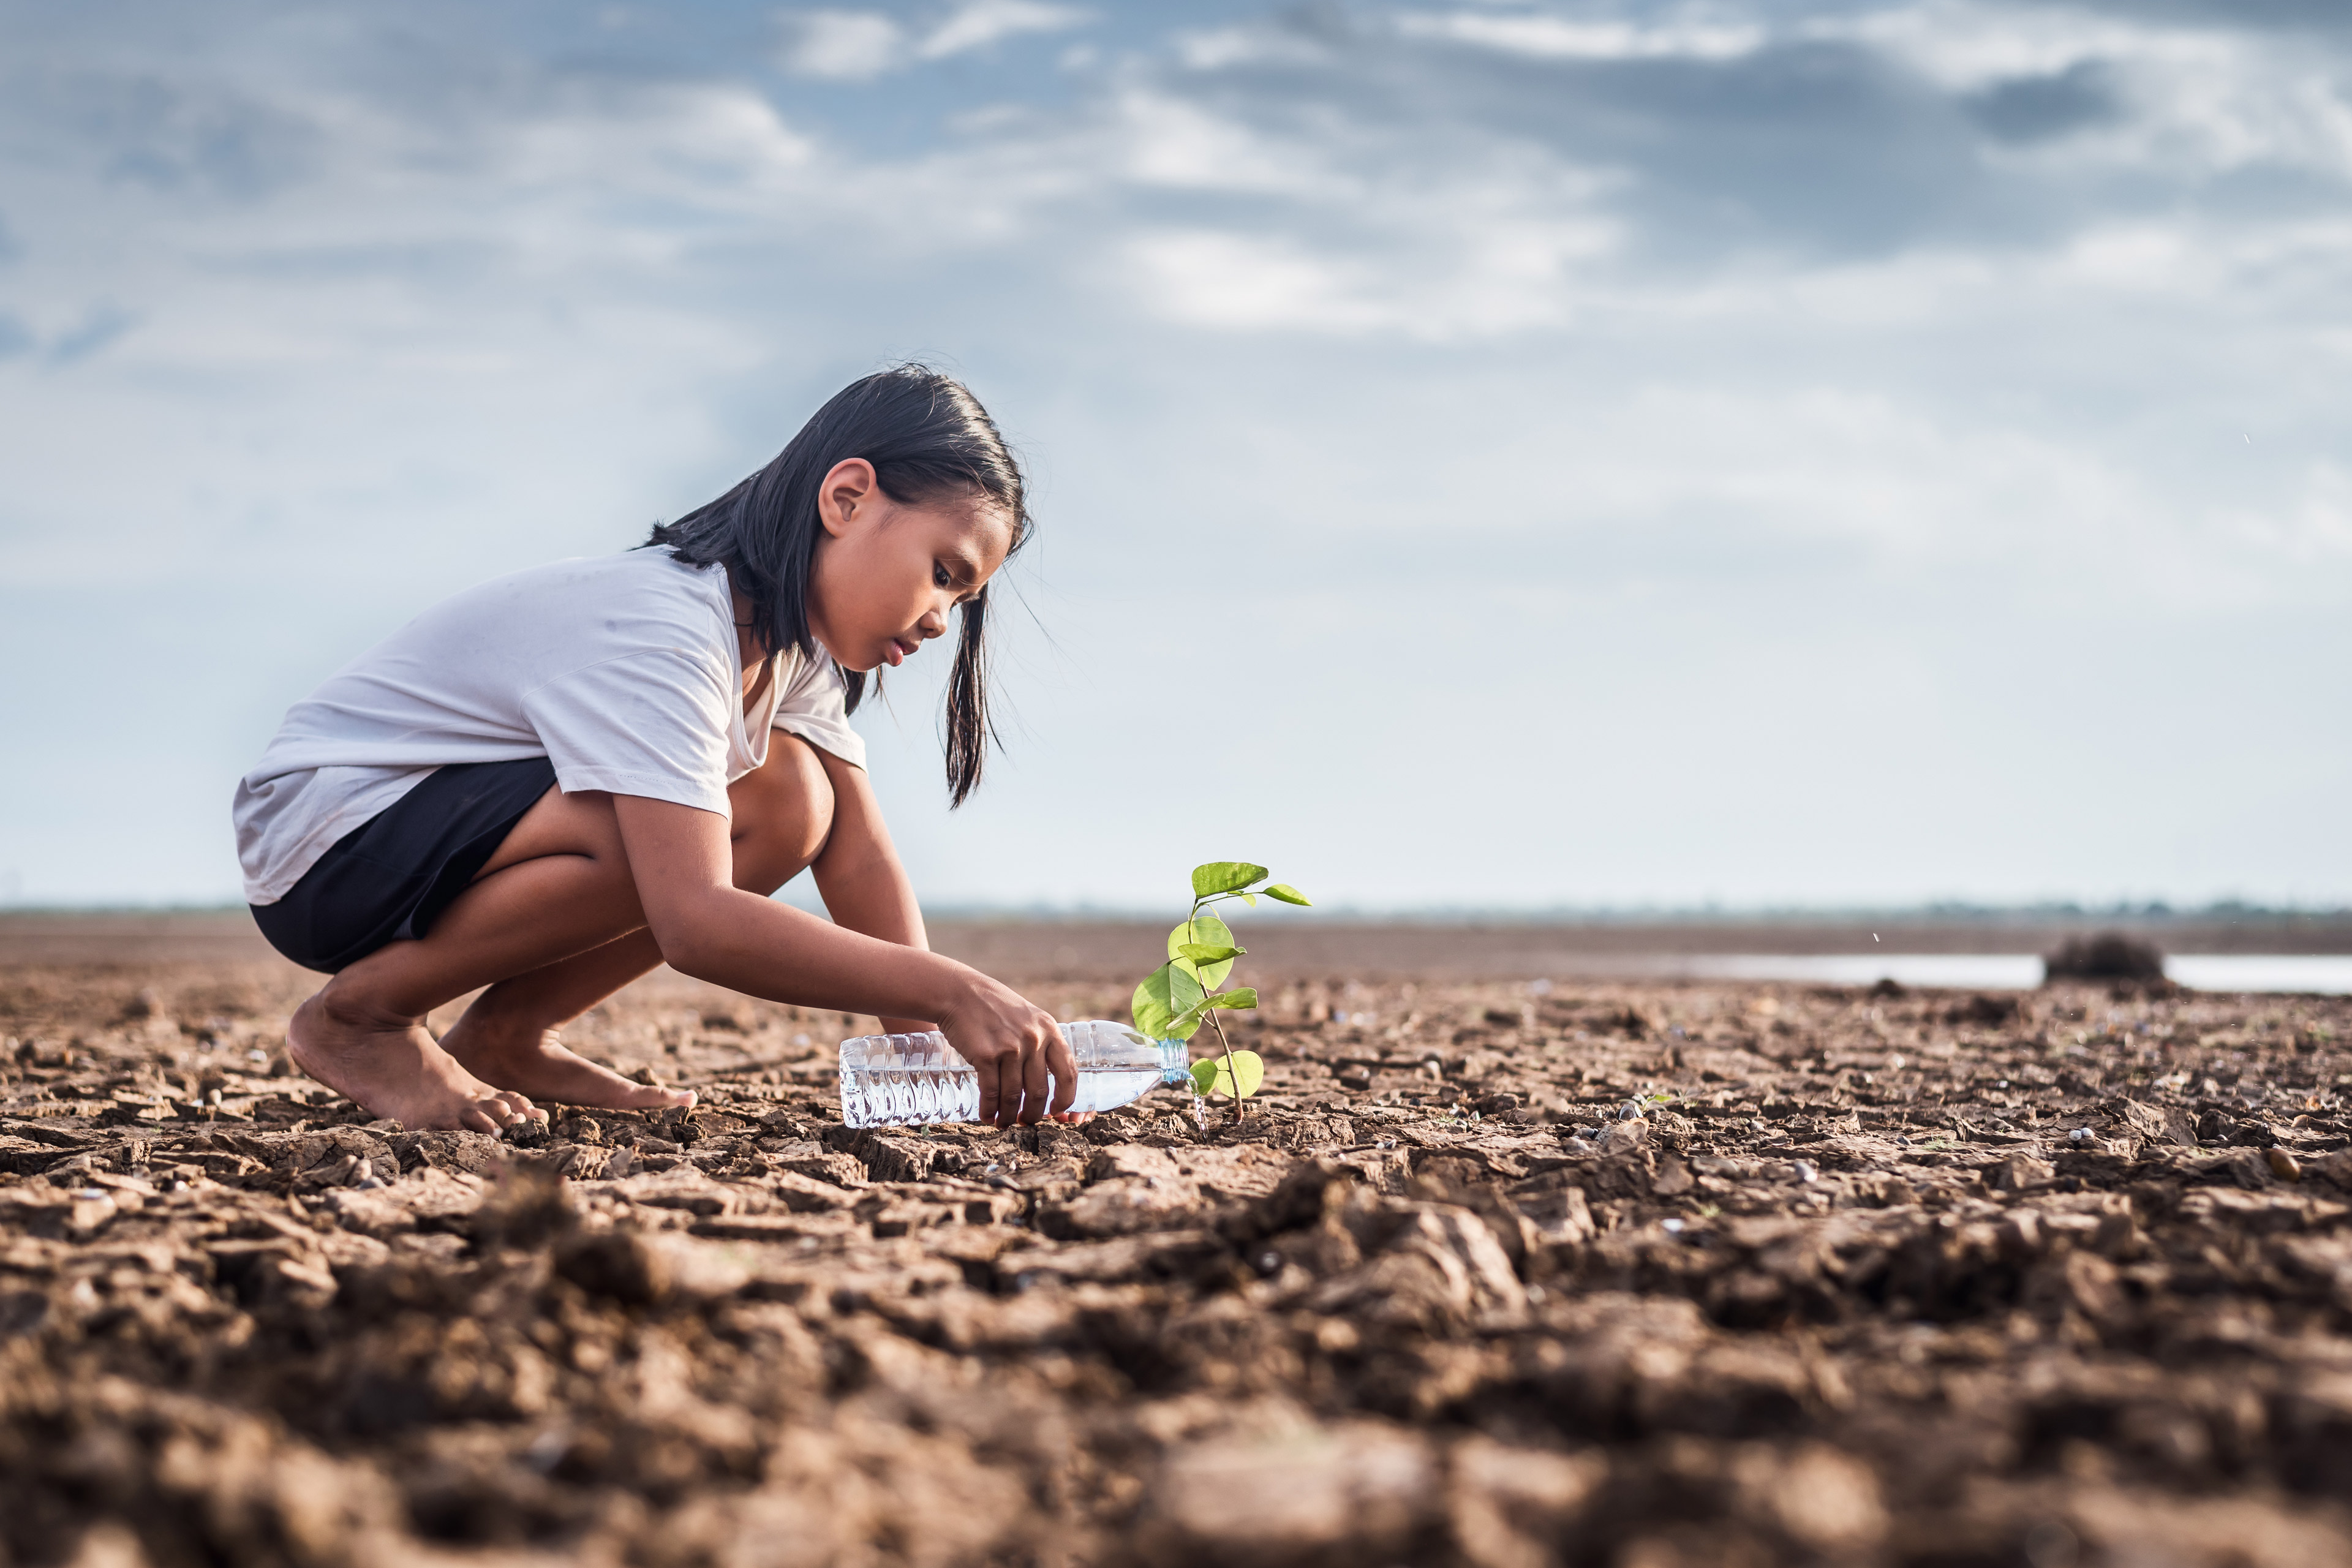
1942 909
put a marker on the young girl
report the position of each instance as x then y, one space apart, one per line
552 783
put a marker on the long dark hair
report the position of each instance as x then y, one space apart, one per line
927 436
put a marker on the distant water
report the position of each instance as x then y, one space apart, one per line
2326 973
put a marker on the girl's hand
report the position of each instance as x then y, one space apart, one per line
1013 1045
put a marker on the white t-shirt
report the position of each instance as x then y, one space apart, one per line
621 669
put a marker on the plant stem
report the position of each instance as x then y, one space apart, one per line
1232 1072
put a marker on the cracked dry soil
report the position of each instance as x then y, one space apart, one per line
1628 1275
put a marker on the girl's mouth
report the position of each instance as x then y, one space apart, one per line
899 650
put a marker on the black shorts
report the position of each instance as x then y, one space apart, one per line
392 876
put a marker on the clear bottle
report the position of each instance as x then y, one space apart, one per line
907 1080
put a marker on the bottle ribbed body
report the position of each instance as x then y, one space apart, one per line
907 1080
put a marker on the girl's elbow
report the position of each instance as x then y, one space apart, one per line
687 944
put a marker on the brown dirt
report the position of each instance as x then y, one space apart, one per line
1923 1278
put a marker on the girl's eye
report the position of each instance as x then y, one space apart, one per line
939 576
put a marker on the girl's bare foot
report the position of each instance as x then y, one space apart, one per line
535 1062
392 1067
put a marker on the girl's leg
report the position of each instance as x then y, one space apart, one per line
783 814
558 888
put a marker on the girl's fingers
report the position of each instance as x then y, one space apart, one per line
1008 1089
990 1101
1065 1069
1037 1061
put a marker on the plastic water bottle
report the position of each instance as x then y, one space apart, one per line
907 1080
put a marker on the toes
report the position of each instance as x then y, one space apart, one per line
474 1119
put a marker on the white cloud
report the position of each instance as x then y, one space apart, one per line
858 46
1247 43
1251 284
980 23
846 46
2204 99
1542 37
1507 278
1173 142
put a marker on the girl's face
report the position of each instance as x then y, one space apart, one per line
887 573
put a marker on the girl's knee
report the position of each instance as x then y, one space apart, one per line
784 813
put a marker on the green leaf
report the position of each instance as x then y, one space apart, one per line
1224 877
1250 898
1184 987
1203 930
1189 1019
1154 1008
1168 1004
1246 1067
1202 952
1206 931
1285 892
1204 1076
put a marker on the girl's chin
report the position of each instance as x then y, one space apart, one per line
850 665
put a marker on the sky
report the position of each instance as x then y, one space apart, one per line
1485 454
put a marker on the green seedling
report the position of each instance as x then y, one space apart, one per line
1175 999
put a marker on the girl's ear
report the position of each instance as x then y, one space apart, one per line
847 485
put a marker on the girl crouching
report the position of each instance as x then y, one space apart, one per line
552 783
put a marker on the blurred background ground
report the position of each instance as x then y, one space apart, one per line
1017 947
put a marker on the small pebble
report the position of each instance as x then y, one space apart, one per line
2284 1166
1672 1226
2080 1135
1807 1172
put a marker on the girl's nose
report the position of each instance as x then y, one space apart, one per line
933 624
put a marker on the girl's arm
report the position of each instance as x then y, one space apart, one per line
682 865
859 876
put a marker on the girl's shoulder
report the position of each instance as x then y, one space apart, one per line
569 614
637 585
653 572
